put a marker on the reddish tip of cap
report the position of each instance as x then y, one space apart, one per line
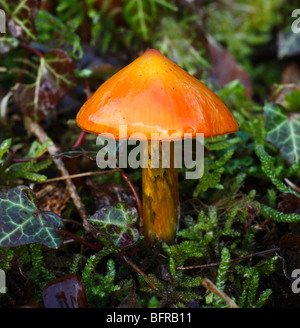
154 95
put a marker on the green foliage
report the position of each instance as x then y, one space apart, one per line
250 22
248 297
267 166
269 212
49 25
4 147
292 101
99 286
6 257
141 14
176 41
221 277
283 132
176 291
243 174
26 170
41 275
23 223
214 164
116 224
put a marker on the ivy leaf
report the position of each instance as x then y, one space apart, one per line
116 224
21 18
55 77
21 221
283 131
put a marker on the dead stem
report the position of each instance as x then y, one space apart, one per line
292 186
139 271
42 136
79 175
201 266
126 178
214 289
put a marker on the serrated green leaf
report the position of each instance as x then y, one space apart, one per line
116 224
21 221
283 131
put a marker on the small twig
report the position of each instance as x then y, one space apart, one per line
65 232
82 135
126 177
201 266
73 222
80 139
42 136
139 271
292 186
24 160
74 176
214 289
86 23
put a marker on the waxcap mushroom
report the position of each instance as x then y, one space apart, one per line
155 95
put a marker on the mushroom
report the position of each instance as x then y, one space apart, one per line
154 96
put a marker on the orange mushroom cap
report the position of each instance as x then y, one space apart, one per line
155 95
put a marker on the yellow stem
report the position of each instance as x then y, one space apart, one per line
160 199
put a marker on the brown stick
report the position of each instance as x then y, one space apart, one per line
126 178
65 232
139 271
201 266
214 289
79 175
42 136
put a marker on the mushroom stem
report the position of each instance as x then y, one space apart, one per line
160 198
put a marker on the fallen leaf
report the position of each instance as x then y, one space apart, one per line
65 292
289 204
224 67
55 78
21 18
52 197
289 240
